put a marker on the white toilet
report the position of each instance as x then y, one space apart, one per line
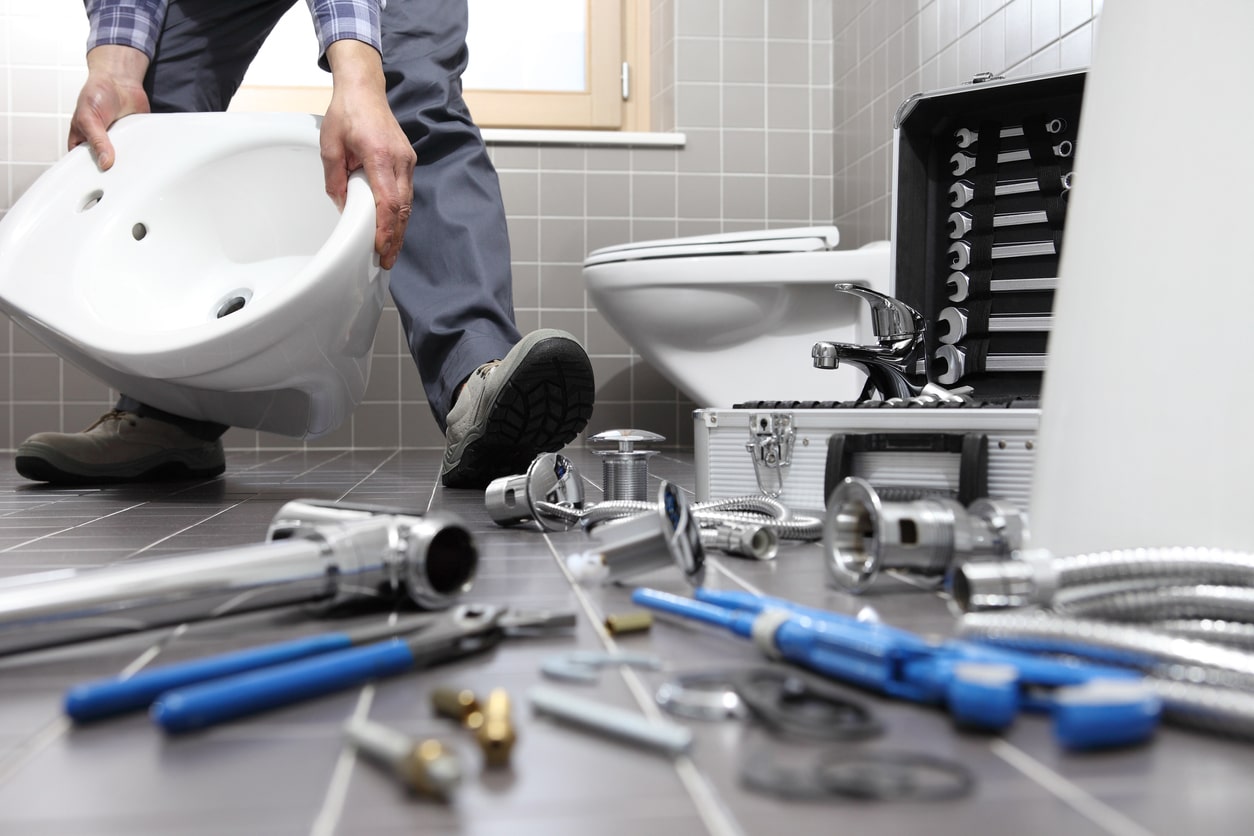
732 318
206 273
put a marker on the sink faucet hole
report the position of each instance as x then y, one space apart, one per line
139 231
91 200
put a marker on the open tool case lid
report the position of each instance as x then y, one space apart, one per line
977 237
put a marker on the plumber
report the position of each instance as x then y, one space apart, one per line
396 112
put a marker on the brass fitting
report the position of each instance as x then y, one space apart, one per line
495 732
455 703
636 621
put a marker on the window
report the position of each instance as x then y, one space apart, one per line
541 64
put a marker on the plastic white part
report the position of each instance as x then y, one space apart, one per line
1104 692
1144 438
587 568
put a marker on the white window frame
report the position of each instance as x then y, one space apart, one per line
617 44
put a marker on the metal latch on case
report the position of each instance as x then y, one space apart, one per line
771 437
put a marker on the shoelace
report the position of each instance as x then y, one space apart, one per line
487 368
113 415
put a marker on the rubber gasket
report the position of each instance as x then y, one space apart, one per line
795 705
794 782
893 776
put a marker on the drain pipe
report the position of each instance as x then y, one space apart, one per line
625 470
325 554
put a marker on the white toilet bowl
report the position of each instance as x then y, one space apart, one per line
206 273
732 318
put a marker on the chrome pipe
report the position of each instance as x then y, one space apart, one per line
1165 656
1124 602
386 558
1036 576
743 510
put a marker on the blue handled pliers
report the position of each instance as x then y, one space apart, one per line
986 687
200 693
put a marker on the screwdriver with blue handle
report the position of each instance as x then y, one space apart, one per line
1092 706
116 695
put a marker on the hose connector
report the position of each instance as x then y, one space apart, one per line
863 534
757 542
985 585
665 535
551 478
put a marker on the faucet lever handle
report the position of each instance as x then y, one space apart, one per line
891 318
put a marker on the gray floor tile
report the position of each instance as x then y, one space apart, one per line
286 770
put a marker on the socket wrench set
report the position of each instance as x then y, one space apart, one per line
951 405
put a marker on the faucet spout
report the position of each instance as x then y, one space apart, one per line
890 363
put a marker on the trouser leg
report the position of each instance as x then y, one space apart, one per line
202 54
452 282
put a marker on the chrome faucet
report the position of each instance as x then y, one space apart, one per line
890 364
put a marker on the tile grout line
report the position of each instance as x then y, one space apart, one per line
50 534
336 795
710 808
1096 811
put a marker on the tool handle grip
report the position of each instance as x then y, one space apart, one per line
200 706
117 695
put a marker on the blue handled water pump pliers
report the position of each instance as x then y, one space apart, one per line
193 695
982 686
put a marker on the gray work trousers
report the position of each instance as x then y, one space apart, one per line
451 283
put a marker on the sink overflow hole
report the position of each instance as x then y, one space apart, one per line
231 305
91 200
138 231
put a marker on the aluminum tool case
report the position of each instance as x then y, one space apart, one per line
800 452
1013 200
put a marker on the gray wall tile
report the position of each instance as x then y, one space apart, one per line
700 196
744 151
609 195
653 195
884 51
562 193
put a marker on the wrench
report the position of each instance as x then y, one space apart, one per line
960 252
959 285
966 137
954 357
963 192
960 223
963 163
955 324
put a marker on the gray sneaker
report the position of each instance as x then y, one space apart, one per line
534 401
120 447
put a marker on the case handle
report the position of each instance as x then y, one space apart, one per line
972 448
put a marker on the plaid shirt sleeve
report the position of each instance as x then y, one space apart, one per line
336 20
134 23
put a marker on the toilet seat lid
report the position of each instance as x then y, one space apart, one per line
794 240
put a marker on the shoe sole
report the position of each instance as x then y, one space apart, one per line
543 405
44 468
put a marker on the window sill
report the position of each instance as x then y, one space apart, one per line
624 139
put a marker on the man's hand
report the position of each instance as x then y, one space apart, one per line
360 132
114 88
